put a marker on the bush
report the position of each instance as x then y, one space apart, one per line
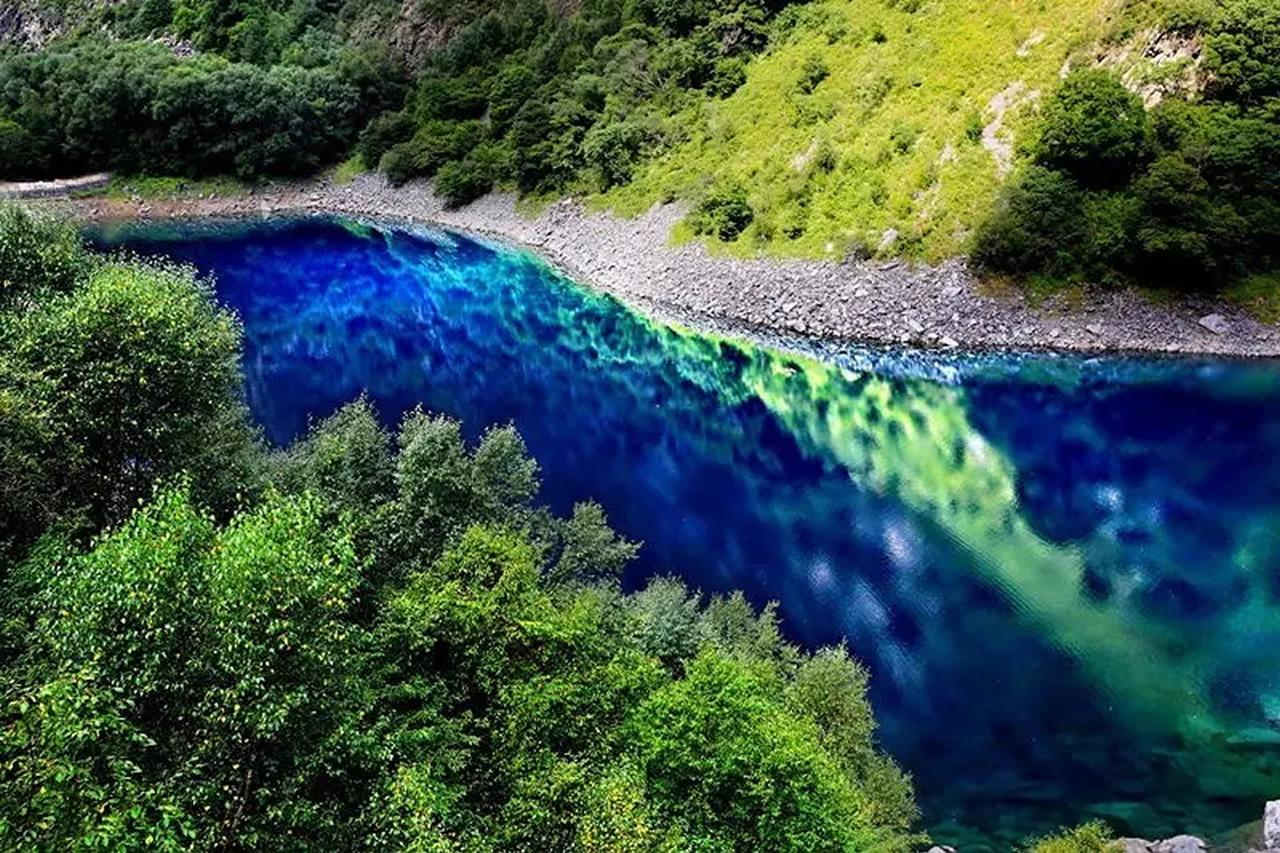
1036 226
724 213
1094 129
462 181
1184 234
38 254
615 148
434 144
381 134
1091 837
813 72
134 376
513 86
17 151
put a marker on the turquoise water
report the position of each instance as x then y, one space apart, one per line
1064 573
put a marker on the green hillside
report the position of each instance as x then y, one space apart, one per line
891 139
828 128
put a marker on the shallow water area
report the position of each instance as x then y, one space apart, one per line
1063 572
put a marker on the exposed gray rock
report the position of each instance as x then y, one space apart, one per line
1215 323
1271 826
1176 844
1179 844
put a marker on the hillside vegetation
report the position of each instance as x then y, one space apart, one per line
824 129
867 119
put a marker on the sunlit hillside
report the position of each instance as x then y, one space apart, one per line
880 126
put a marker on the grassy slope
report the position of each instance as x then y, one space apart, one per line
899 111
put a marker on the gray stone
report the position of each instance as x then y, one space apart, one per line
915 325
1093 329
1215 323
1271 825
1179 844
1135 845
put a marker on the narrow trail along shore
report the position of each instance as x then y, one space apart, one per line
866 301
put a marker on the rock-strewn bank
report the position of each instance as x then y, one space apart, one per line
877 302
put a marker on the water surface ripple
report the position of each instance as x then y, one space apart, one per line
1064 573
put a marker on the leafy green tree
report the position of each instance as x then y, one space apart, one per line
382 133
1094 129
184 685
39 255
590 550
1240 52
17 150
345 459
722 760
460 182
130 378
513 86
1036 226
1184 233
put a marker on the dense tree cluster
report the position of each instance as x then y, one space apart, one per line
524 95
368 640
1187 193
275 93
523 92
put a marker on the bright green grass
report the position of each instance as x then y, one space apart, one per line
1259 295
890 139
346 171
161 187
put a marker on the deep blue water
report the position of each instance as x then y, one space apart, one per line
1064 573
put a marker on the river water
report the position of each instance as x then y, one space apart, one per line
1063 573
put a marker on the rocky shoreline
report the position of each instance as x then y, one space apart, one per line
943 306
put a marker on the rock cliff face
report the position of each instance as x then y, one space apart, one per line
32 23
28 24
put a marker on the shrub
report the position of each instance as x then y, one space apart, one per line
38 253
1091 837
513 86
17 150
813 72
1094 129
381 134
1036 226
453 98
462 181
614 148
434 144
136 377
1185 234
724 213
